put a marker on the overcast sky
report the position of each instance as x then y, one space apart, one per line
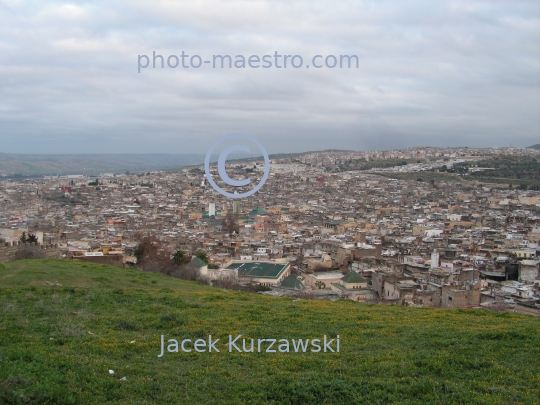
437 73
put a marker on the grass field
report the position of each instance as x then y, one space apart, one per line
57 344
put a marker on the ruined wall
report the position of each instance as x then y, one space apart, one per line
110 260
469 296
429 298
16 250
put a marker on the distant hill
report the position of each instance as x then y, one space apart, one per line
537 146
14 165
236 158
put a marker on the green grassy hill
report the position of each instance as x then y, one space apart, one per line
57 344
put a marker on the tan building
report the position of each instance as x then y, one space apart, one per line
323 262
356 251
459 297
13 235
349 282
430 297
403 291
322 280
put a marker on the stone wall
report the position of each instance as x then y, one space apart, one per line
12 251
110 260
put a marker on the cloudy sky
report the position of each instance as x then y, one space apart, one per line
444 73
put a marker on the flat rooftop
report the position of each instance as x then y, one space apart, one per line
326 275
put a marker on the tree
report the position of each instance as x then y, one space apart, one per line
30 238
203 256
144 247
180 257
153 256
230 223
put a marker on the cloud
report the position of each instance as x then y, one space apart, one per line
438 73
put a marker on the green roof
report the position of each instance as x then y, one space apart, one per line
291 282
333 222
353 277
258 211
196 262
259 269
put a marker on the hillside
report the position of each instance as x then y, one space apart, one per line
505 169
536 146
57 344
22 165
